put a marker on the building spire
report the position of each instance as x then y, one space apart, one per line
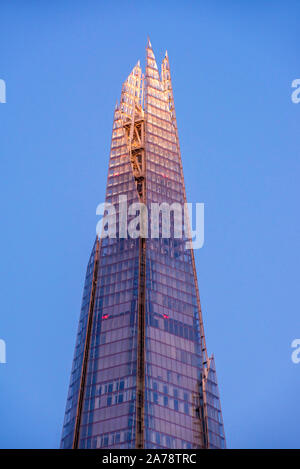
151 65
140 139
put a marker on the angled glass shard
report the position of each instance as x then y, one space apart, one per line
141 376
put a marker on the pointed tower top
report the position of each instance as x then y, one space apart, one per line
165 63
149 43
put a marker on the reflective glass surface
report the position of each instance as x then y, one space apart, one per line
181 404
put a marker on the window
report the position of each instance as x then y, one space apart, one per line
186 405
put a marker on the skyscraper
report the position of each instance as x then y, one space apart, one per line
141 376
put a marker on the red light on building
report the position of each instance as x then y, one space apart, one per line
105 316
165 316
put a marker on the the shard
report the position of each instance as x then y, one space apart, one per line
141 375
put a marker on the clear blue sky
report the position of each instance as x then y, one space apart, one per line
232 63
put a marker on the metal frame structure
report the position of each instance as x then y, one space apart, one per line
134 128
86 348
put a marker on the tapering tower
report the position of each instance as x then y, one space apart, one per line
141 376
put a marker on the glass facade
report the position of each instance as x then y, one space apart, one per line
142 311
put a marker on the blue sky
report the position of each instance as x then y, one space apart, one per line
232 64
